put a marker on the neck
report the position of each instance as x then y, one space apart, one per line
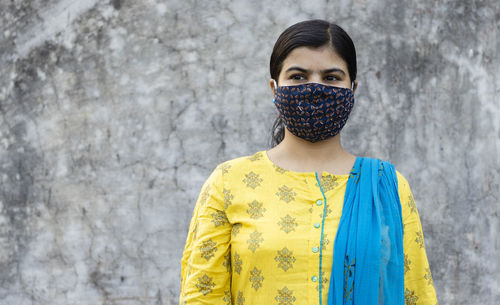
326 150
297 153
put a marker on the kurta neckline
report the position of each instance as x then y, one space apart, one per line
303 174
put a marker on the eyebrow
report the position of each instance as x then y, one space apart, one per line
322 71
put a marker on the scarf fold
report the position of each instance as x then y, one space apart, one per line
368 262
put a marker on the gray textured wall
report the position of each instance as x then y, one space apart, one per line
113 113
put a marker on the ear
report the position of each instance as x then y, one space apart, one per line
355 86
272 84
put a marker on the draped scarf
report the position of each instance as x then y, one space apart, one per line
368 262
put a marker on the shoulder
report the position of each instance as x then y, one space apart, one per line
403 185
238 165
239 162
383 165
404 191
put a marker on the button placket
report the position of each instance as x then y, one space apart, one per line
321 204
314 246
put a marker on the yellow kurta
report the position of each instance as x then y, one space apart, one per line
255 237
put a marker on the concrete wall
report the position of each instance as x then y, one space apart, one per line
113 113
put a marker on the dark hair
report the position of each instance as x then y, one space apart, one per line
311 33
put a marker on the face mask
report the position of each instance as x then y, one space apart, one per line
313 111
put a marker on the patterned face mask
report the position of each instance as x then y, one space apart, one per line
313 111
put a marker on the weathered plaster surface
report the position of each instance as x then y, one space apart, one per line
113 113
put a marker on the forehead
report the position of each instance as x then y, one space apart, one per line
314 58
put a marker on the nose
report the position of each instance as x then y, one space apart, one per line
316 78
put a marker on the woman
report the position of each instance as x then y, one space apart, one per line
307 222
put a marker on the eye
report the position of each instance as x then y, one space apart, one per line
332 78
297 77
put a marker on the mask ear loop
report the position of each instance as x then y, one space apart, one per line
275 88
352 85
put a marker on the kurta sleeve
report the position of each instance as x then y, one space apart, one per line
419 288
206 262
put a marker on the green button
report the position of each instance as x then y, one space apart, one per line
319 202
314 278
315 249
317 225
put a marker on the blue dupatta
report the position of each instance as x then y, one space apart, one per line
368 263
